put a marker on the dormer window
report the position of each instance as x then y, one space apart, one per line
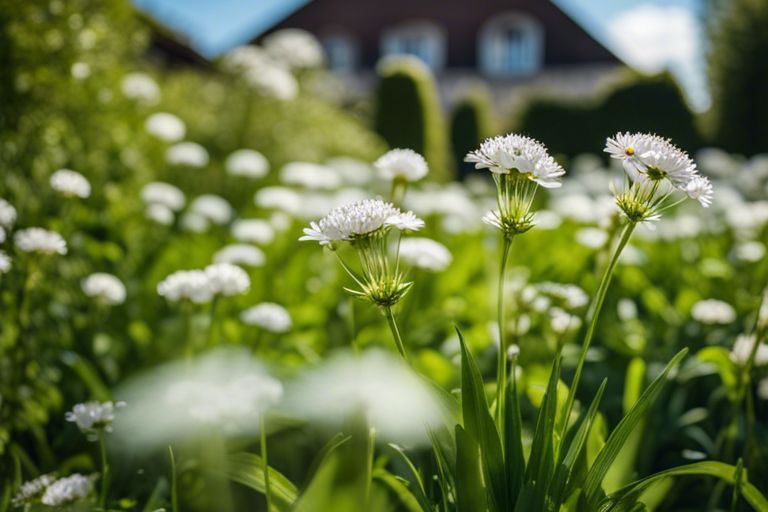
511 44
424 40
341 52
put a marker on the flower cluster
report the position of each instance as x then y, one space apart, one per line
93 417
425 254
39 240
655 169
247 163
200 286
105 288
67 490
165 126
269 316
32 490
519 165
401 164
70 183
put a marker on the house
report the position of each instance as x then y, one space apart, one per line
508 43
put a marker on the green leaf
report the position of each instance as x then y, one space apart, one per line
470 491
480 426
513 441
247 469
720 358
401 489
88 375
419 492
634 382
596 474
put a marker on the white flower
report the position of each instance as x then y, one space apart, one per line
166 127
275 82
253 230
244 58
751 252
192 285
94 416
227 279
7 214
141 88
279 198
70 183
295 48
700 189
213 208
712 311
628 147
3 236
309 175
646 156
247 163
67 490
507 153
80 70
572 296
240 254
562 321
104 287
32 490
190 154
160 214
158 192
742 348
195 223
593 238
269 316
394 401
425 253
404 164
40 240
351 170
626 309
358 219
5 263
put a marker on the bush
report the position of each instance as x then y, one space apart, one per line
470 124
408 112
739 77
637 103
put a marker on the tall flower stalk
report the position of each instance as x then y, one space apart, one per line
366 227
519 165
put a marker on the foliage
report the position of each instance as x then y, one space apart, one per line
470 125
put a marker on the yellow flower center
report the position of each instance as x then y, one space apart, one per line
630 151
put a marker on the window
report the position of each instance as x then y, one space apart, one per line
341 52
424 40
511 44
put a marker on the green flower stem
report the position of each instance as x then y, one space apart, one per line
592 316
370 447
104 469
395 332
212 325
501 370
174 483
265 461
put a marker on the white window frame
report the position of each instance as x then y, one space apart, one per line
432 36
491 58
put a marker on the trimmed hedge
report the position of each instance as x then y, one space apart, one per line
470 125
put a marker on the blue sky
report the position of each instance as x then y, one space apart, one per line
648 34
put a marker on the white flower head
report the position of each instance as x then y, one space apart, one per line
92 417
712 311
70 183
104 287
183 285
283 199
240 254
742 348
190 154
165 194
67 490
141 88
213 208
360 219
5 263
269 316
227 279
160 213
295 48
402 164
247 163
700 189
7 214
425 254
506 154
309 175
166 127
273 81
32 490
258 231
594 238
39 240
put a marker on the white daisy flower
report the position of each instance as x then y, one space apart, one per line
67 490
104 287
141 88
273 81
402 164
227 279
594 238
80 70
751 252
166 127
279 198
213 208
700 189
160 213
39 240
360 219
70 183
158 192
712 311
32 490
190 154
247 163
94 416
7 214
195 223
743 347
240 254
191 285
561 321
295 48
258 231
5 263
425 254
269 316
309 175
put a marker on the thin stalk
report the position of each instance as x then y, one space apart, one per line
501 369
104 469
265 462
592 316
370 447
174 484
395 332
212 324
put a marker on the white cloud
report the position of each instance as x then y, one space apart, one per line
652 38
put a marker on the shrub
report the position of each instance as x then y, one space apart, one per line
470 124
